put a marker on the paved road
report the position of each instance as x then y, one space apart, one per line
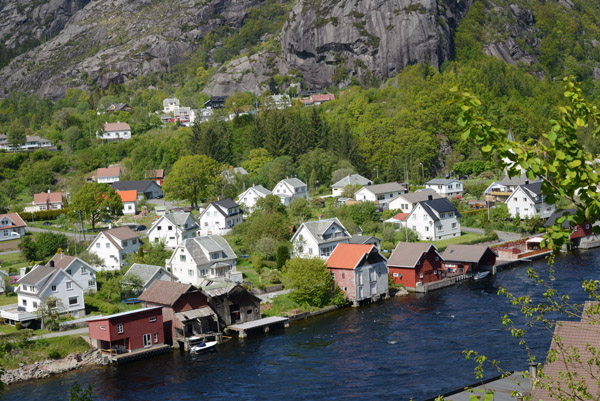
83 330
503 236
9 252
271 295
67 233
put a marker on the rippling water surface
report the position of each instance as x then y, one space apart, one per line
405 347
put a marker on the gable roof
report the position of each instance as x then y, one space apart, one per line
386 188
116 235
47 197
178 218
354 179
293 182
418 196
108 172
516 181
441 181
401 216
63 261
145 272
441 205
260 189
465 253
116 127
16 219
222 206
363 239
533 189
559 213
212 243
36 274
348 256
164 292
407 254
139 186
154 174
128 196
318 227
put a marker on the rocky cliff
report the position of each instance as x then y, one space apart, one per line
331 40
112 40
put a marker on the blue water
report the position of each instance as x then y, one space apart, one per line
405 347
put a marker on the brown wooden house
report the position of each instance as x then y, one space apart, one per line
414 264
464 259
232 302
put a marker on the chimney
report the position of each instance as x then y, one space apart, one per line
429 197
62 254
51 263
533 373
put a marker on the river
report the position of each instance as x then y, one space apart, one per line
405 347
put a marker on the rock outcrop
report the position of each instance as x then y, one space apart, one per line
331 41
111 41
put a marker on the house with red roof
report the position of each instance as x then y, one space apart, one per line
187 317
582 235
360 271
126 332
129 199
157 176
414 264
81 272
113 246
108 175
114 131
12 226
46 201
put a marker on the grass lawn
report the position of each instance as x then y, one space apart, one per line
33 351
10 245
4 300
282 304
465 238
147 220
11 258
7 329
252 276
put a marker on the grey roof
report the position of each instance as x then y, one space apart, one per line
240 170
422 195
465 253
387 187
533 189
178 218
211 243
226 203
441 181
130 312
294 182
364 239
193 314
139 186
354 179
261 189
441 205
37 274
145 272
565 212
407 254
515 181
318 227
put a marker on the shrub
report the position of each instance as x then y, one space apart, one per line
43 214
54 354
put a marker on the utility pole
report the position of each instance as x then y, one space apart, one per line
81 225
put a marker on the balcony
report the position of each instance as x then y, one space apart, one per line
16 313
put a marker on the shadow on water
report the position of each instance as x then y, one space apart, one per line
405 347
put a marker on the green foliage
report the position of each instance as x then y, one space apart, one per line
97 201
193 178
310 280
283 254
78 393
362 212
299 211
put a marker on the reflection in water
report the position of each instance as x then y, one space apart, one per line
405 347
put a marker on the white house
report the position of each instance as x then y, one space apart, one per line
129 199
406 202
169 104
319 238
46 201
172 229
12 226
112 131
108 175
435 219
204 257
290 188
350 179
445 187
219 217
31 142
381 193
112 246
83 274
249 197
527 201
39 284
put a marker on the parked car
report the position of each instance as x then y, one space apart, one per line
139 227
46 223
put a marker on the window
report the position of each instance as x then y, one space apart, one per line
24 302
206 224
107 245
159 228
426 228
124 244
424 217
103 328
380 197
83 270
214 255
152 319
91 283
98 245
73 301
170 228
372 275
53 288
182 258
190 272
249 312
69 285
120 328
69 272
34 304
155 338
587 226
343 275
397 275
453 225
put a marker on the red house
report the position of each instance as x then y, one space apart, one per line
414 264
461 259
360 271
185 312
127 331
582 235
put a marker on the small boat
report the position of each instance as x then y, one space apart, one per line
481 275
203 346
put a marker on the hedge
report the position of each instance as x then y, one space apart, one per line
43 215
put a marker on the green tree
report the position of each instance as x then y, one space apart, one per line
300 211
28 248
362 212
283 254
192 178
47 244
97 201
16 134
213 139
78 393
256 160
49 313
310 281
239 102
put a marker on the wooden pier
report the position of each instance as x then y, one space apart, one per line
135 355
263 324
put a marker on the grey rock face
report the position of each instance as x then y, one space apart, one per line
114 40
334 40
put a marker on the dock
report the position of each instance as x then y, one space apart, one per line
135 355
263 324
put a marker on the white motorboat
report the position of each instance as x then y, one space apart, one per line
481 275
203 346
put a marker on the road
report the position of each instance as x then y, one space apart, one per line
503 236
77 236
73 332
9 252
